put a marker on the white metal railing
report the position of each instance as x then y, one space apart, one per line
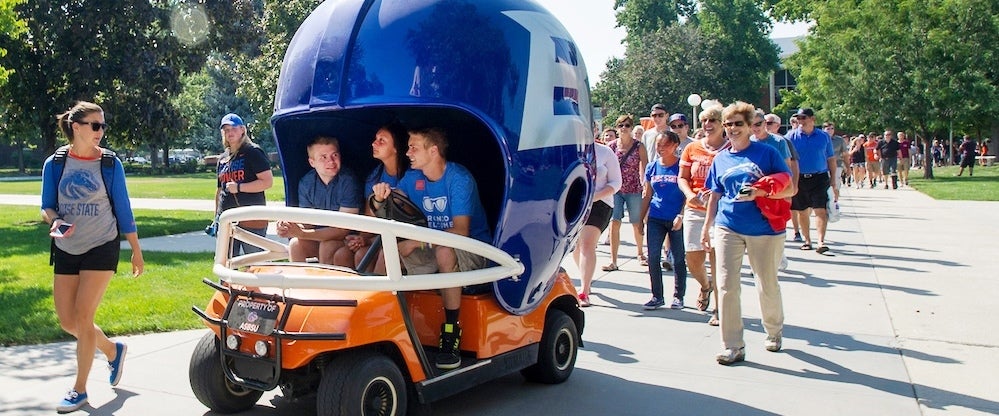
227 268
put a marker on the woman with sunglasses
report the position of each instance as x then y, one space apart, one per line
244 173
85 243
633 158
748 183
694 163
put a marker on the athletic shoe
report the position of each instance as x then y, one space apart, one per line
783 263
677 304
118 364
72 402
653 304
797 237
773 343
731 356
448 358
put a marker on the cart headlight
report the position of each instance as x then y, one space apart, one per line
261 348
232 342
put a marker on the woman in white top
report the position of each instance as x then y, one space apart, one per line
606 184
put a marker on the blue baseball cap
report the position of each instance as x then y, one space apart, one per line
231 120
678 116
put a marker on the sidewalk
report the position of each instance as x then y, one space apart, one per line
884 324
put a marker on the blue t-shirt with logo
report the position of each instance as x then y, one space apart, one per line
667 198
455 194
729 172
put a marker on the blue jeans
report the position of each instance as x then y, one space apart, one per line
656 232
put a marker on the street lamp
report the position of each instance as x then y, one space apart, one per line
694 100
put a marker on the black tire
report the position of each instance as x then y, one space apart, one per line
557 351
209 383
362 383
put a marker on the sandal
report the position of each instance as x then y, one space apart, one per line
644 261
822 249
806 246
584 300
714 320
609 268
704 299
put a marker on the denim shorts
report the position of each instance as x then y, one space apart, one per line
634 203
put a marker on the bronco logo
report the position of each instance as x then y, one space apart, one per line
78 184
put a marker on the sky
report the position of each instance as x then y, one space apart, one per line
591 24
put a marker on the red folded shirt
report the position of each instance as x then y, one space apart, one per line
776 211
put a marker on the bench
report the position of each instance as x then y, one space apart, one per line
989 160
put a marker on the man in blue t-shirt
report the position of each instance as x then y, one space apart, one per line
817 165
447 194
327 186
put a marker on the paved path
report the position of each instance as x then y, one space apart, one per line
895 320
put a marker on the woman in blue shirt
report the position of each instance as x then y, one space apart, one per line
663 201
741 228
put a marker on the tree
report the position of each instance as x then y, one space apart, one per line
900 64
10 25
642 17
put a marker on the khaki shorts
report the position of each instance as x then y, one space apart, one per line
424 261
693 224
904 164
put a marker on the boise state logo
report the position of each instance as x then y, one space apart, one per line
78 184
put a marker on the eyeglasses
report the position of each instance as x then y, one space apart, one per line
677 126
659 115
624 126
739 123
94 125
705 120
770 123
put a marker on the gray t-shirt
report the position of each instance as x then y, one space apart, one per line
649 140
839 149
83 202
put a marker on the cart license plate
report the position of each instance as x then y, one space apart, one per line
253 316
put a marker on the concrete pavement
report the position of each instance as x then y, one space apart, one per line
895 320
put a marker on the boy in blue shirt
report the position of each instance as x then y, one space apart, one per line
448 195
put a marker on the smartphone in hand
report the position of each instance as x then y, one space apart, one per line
61 230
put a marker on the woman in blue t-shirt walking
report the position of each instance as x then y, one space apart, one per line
662 201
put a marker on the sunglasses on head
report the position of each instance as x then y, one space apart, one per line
624 126
677 126
739 123
94 125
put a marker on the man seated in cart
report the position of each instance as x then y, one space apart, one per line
328 186
446 192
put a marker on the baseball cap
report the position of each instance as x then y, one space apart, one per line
231 120
678 116
805 112
659 107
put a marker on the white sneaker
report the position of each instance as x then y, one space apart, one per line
783 263
677 304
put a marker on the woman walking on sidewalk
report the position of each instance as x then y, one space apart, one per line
85 243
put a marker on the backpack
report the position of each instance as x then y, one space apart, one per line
107 169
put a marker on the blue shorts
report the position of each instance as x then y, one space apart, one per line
634 203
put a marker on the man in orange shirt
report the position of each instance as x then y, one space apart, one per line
873 160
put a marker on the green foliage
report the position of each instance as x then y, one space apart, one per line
643 17
722 52
12 26
922 64
159 300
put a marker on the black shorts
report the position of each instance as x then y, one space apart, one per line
812 192
600 215
102 257
967 161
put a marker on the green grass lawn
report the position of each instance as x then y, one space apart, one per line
192 186
984 186
159 300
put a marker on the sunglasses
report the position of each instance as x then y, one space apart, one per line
94 125
624 126
677 126
705 120
770 123
659 115
735 124
758 124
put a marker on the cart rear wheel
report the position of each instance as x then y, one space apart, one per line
209 383
362 384
557 352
